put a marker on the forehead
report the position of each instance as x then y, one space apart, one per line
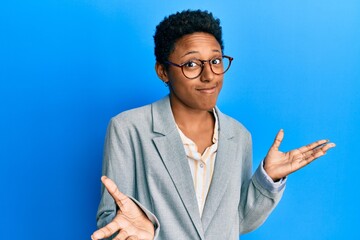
198 42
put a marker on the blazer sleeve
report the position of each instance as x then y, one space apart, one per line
119 165
259 194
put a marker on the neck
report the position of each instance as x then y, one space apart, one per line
190 118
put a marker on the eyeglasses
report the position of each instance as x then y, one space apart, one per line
193 68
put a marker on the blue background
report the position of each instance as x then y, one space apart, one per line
67 66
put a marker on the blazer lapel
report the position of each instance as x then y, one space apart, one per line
222 172
173 155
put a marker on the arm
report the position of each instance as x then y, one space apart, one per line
263 191
130 220
279 164
119 165
259 194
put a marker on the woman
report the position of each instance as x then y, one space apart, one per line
183 167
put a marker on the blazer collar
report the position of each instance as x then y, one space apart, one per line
223 169
164 122
174 158
171 150
163 119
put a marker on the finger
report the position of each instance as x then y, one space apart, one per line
320 148
316 153
122 235
106 231
102 233
312 146
278 139
132 238
118 196
118 223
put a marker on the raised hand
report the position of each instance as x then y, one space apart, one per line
130 220
279 164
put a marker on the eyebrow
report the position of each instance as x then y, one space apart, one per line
192 52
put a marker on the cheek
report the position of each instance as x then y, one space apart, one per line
181 89
221 81
178 82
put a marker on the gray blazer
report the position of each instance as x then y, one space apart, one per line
145 157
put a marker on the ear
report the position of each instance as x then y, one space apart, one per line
161 72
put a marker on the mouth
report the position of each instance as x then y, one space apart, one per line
207 89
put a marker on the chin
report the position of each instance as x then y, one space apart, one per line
207 107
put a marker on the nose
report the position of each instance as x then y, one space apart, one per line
207 74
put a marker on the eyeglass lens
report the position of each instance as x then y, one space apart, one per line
194 68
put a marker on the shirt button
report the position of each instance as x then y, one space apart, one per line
201 165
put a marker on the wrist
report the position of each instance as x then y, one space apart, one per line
270 171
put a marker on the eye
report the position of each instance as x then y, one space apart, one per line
216 61
191 64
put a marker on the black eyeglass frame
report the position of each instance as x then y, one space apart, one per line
202 66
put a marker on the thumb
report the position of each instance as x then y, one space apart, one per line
278 139
118 196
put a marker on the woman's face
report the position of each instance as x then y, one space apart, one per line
202 92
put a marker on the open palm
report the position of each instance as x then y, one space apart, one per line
280 164
130 220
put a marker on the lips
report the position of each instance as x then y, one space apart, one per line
207 89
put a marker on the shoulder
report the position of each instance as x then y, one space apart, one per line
133 115
233 123
140 116
232 126
131 120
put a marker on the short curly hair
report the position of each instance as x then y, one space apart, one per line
175 26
